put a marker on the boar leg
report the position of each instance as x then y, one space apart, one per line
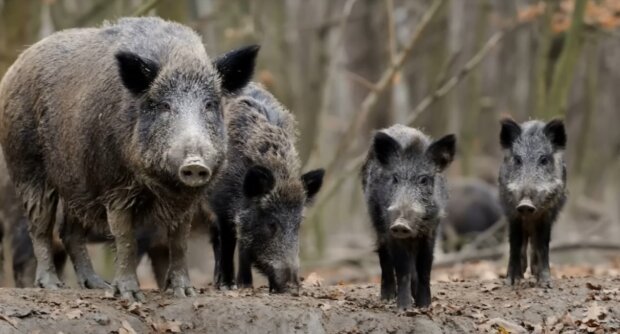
244 276
534 260
388 285
542 237
402 264
178 275
160 262
423 265
217 254
73 237
125 278
41 207
228 242
515 273
524 243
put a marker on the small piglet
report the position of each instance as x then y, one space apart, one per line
406 195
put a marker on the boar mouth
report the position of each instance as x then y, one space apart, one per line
281 279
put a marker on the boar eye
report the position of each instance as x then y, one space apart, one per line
165 106
394 179
424 180
211 105
518 160
544 160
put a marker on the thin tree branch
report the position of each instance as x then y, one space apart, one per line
360 79
355 163
497 253
344 20
452 82
384 82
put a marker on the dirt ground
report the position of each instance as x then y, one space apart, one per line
585 304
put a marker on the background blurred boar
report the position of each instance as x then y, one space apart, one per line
473 207
124 124
532 185
406 195
259 197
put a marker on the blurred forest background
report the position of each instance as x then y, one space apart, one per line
347 67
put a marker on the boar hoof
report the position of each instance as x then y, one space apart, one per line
182 292
94 282
513 281
178 282
404 303
227 287
128 289
388 293
544 282
49 281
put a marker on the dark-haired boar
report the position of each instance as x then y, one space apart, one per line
473 208
532 185
259 197
125 124
406 195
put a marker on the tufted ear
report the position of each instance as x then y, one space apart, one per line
259 181
236 67
312 180
137 73
385 147
554 130
442 151
509 133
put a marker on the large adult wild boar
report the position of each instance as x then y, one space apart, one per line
124 124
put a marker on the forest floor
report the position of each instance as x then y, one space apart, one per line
579 304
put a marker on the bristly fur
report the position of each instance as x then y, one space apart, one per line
263 132
260 196
105 119
405 191
532 176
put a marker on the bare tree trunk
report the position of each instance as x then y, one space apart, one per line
563 71
470 126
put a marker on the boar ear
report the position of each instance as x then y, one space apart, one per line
258 181
312 180
554 130
136 73
442 151
236 67
509 133
385 147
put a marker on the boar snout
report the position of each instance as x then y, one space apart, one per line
526 206
194 173
401 230
283 279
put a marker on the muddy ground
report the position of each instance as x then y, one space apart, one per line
584 304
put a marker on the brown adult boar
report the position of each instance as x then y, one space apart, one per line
124 124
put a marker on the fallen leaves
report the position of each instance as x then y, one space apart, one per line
74 314
594 316
126 328
313 280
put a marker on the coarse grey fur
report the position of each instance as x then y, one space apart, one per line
532 184
406 196
260 196
124 124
